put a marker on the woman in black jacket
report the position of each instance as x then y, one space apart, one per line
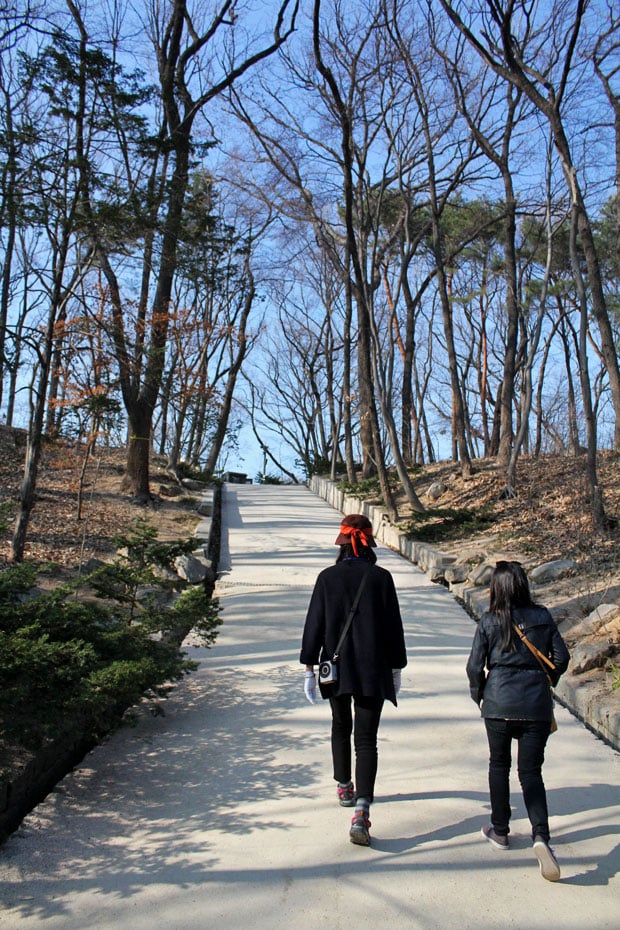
369 662
512 685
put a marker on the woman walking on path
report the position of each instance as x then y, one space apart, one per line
369 660
512 683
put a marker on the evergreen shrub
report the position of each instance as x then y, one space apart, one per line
78 656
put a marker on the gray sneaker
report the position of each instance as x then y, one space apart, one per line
359 832
500 842
549 867
346 795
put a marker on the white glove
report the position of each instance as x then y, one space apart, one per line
396 678
310 687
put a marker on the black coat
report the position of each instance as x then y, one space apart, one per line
375 642
512 685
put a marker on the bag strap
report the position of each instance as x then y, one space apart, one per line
541 657
350 617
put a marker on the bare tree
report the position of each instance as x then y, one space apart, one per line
501 36
187 83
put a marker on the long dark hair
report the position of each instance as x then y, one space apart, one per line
509 588
364 552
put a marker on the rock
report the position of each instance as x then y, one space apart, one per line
551 571
455 574
159 597
92 566
481 575
612 628
437 575
594 621
201 555
470 557
166 574
194 485
590 655
476 600
170 490
205 508
436 489
190 569
602 613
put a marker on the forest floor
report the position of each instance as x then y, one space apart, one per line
57 534
547 520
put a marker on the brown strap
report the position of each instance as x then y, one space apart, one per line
535 652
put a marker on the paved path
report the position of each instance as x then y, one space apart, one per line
220 815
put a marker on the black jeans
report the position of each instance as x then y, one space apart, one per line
367 711
531 737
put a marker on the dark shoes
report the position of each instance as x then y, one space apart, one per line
500 842
346 795
359 832
549 867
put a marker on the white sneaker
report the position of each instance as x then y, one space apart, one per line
549 867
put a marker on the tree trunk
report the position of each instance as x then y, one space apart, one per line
136 478
460 450
346 382
599 520
37 417
506 435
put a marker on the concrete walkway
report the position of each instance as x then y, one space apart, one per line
221 814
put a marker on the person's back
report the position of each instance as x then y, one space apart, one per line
516 655
516 686
367 647
374 644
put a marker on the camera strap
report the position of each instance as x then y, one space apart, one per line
350 617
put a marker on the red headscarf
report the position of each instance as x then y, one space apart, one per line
356 536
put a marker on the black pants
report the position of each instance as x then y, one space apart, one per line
531 737
363 722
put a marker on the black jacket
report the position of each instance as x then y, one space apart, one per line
512 685
374 644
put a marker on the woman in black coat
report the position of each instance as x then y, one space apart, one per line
369 661
513 686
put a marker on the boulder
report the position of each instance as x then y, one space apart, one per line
436 489
480 575
551 571
151 594
166 574
191 569
169 490
587 656
470 557
455 574
612 627
594 621
192 484
92 565
602 614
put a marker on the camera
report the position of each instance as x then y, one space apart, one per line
328 672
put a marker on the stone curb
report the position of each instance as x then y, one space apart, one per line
602 718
